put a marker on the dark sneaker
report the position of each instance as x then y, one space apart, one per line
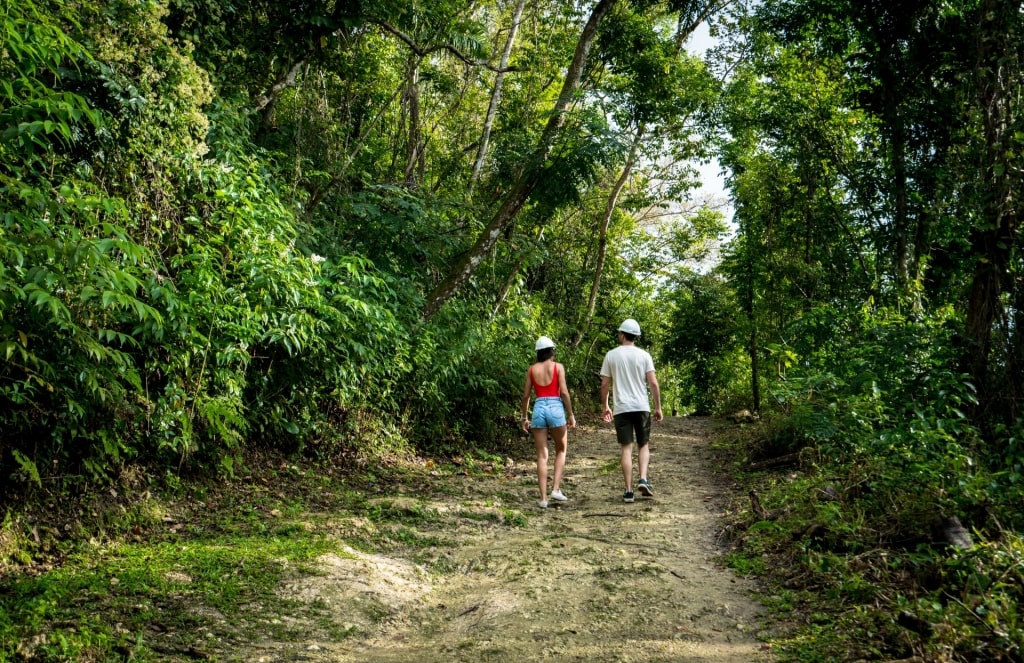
627 497
644 486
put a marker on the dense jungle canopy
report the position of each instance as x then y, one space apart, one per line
260 223
332 228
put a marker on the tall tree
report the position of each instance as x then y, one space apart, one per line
530 171
995 239
492 108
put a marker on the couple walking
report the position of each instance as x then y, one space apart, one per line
626 374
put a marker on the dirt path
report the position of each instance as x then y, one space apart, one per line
592 579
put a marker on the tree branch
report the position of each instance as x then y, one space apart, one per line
423 51
529 174
285 81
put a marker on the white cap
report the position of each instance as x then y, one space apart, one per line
543 343
630 326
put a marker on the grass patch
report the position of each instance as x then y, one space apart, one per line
116 597
196 569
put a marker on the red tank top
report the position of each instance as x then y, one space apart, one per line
548 390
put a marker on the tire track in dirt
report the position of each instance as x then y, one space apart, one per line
592 579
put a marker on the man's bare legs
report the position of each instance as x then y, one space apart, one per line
643 459
627 465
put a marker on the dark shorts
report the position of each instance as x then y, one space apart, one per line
630 426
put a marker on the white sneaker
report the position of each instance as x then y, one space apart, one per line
543 503
559 496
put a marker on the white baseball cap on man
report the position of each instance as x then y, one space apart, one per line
543 343
630 326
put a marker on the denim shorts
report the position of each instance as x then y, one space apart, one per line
548 412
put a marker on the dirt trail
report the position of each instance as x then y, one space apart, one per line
592 579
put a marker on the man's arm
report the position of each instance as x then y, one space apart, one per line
652 382
606 383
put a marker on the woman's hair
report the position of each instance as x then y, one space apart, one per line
545 354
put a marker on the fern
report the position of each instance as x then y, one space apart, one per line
28 467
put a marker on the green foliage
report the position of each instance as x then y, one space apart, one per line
703 341
874 404
74 284
396 229
27 466
575 164
647 73
979 607
125 333
467 381
35 115
882 393
854 195
249 294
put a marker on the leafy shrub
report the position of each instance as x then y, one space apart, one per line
703 343
467 379
171 314
885 396
75 285
978 609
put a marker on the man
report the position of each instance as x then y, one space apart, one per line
627 372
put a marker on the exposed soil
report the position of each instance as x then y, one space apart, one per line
590 579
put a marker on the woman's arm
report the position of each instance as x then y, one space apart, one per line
563 391
525 405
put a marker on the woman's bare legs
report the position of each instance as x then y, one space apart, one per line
561 438
540 443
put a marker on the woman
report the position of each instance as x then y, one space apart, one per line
547 379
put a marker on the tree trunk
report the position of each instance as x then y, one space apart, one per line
602 242
683 32
755 375
414 165
492 109
748 294
896 136
266 101
993 242
529 175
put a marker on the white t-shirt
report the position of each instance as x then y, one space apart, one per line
627 366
